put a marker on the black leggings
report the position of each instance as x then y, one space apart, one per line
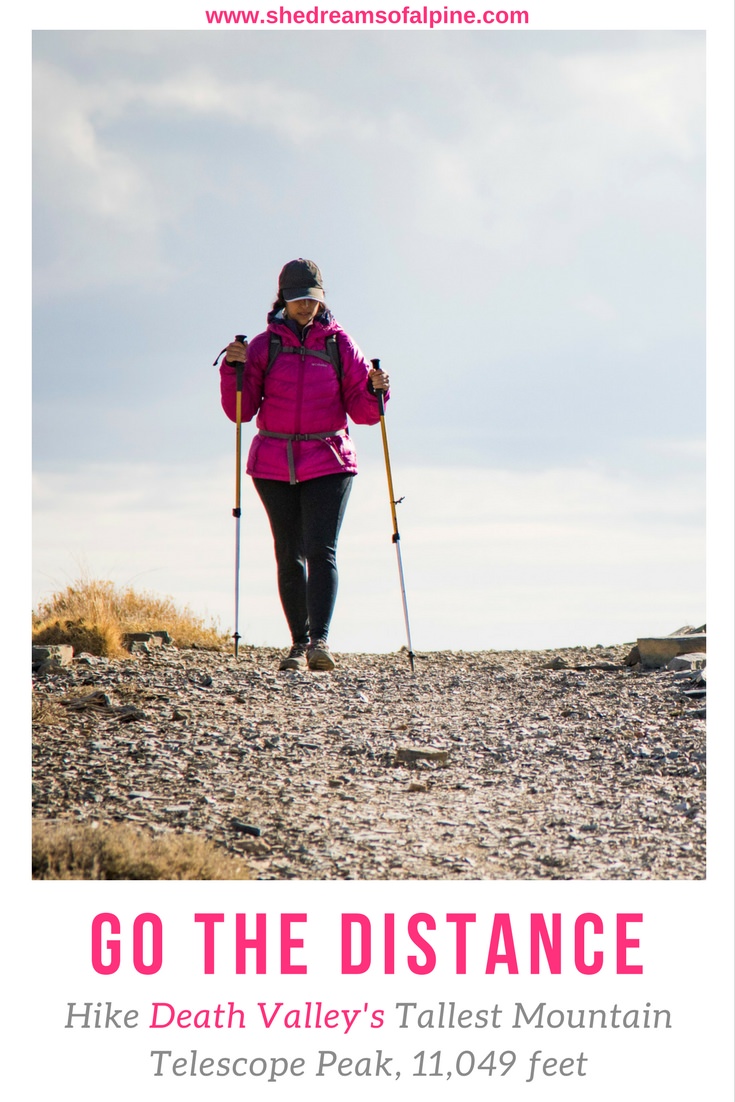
305 520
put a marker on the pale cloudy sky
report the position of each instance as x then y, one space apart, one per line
514 223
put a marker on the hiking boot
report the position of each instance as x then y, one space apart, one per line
318 656
295 659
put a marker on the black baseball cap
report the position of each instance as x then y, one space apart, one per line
301 279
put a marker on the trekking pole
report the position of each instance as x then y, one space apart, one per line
393 503
236 512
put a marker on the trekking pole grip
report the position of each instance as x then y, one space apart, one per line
379 393
239 367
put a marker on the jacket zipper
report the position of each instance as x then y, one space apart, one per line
300 385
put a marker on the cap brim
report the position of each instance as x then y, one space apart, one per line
314 293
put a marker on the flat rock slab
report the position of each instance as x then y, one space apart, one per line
410 754
658 651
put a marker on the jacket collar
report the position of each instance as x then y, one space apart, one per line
278 317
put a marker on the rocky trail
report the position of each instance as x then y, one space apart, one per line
560 764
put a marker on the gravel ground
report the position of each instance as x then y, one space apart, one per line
480 766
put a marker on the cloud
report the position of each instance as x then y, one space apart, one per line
544 150
503 227
98 214
518 154
112 195
651 94
296 115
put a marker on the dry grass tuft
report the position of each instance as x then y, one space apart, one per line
93 616
71 851
88 638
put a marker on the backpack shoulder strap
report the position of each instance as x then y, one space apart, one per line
275 344
332 349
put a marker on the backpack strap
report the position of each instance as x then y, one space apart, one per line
332 349
330 353
275 346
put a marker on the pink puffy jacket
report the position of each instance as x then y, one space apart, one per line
301 395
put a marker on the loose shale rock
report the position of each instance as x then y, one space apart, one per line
562 764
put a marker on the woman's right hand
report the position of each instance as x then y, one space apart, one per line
237 352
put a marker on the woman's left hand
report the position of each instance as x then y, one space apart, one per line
378 379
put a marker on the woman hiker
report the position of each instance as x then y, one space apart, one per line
303 376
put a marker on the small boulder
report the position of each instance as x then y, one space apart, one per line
146 638
695 661
51 657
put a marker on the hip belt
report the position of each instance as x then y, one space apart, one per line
289 437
